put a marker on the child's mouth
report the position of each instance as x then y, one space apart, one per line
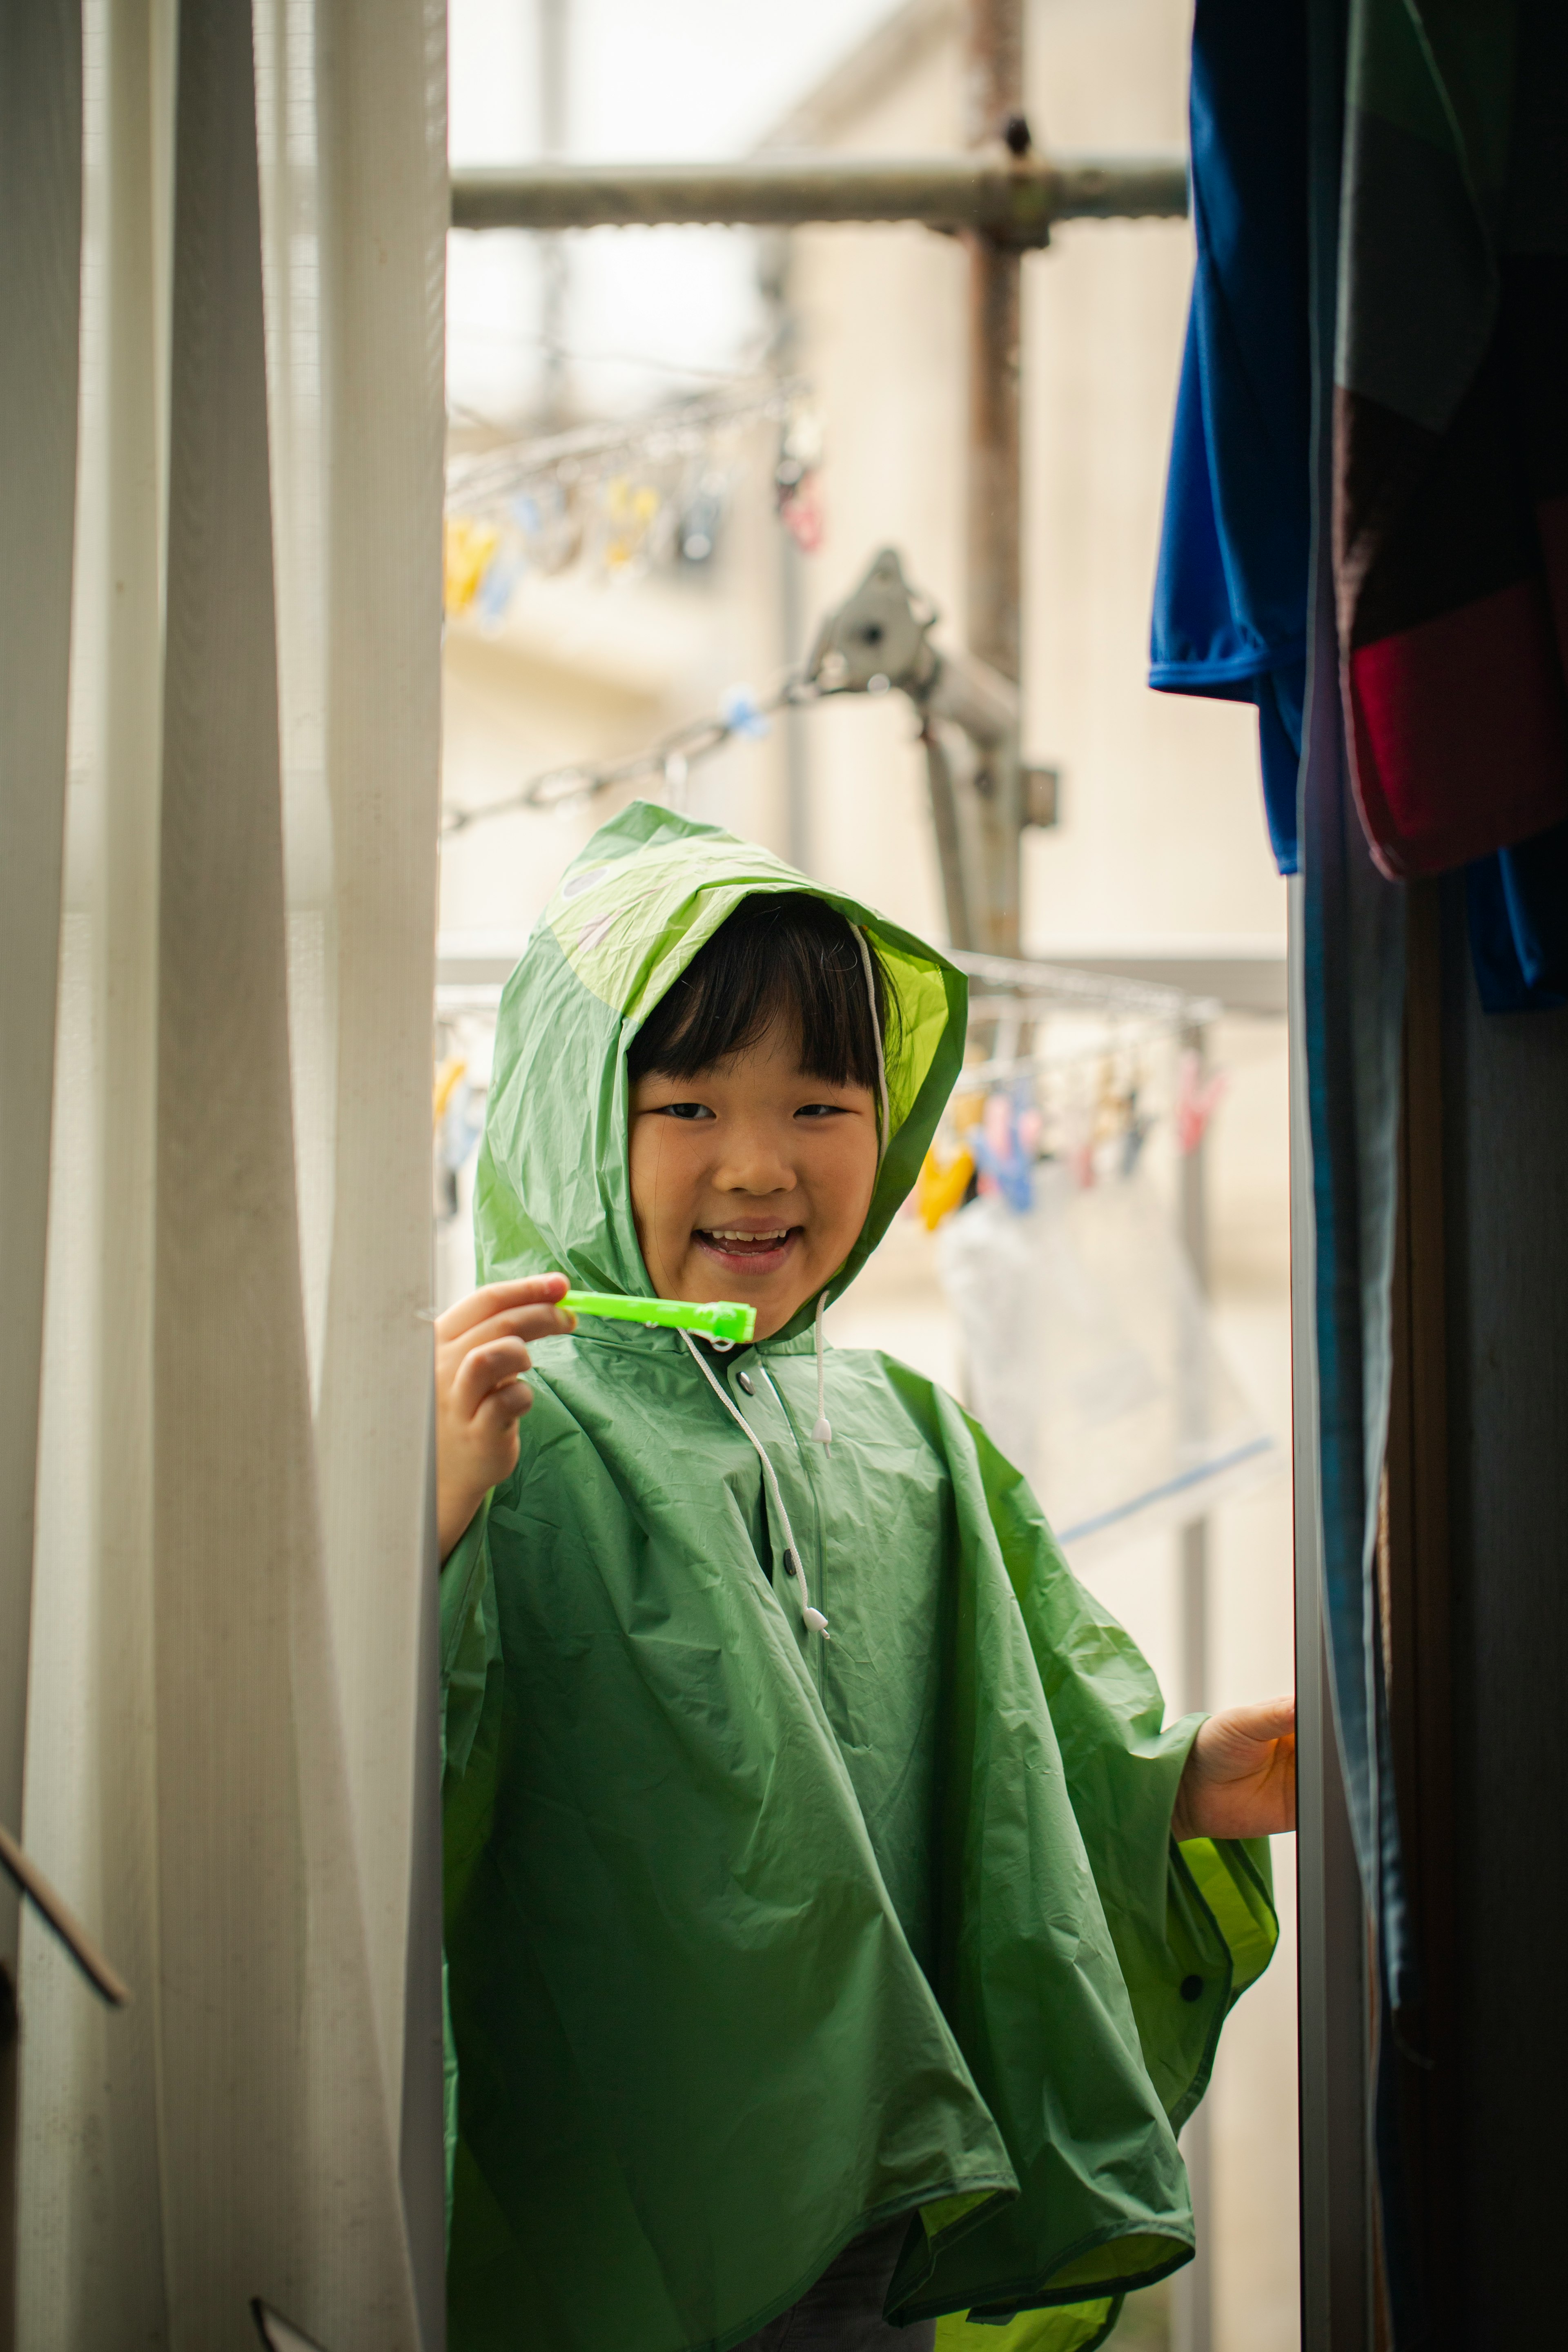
744 1250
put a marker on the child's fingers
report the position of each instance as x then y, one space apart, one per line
514 1323
484 1370
1269 1719
498 1298
503 1408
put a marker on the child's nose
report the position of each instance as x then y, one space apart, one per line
755 1164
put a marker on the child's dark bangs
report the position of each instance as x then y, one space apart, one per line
785 964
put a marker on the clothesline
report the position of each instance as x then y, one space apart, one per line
481 480
1021 979
667 762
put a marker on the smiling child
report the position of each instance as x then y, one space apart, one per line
837 1936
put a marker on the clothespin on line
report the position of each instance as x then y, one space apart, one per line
942 1186
1198 1097
52 1906
453 1070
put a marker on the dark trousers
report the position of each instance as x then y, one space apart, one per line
842 2311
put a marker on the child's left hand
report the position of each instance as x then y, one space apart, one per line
1240 1777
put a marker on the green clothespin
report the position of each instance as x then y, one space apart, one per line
720 1318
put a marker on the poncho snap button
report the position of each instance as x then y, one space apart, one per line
744 1380
1191 1987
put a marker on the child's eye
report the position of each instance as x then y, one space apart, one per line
684 1111
819 1110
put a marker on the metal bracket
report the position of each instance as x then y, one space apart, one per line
1041 794
982 792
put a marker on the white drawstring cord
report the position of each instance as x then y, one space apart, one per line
822 1431
794 1564
883 1138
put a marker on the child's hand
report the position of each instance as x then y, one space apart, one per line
480 1393
1240 1779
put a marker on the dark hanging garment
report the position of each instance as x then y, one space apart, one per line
1451 435
1231 597
1518 901
1517 904
1450 448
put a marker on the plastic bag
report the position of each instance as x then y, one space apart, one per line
1092 1363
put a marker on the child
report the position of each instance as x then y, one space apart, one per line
831 1930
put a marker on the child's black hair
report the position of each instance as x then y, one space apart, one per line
783 960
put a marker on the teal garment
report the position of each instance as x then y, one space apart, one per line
755 1939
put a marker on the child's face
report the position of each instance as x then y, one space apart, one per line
750 1182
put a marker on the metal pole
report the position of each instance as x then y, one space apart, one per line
777 256
1194 1210
1191 2300
796 747
994 40
554 55
1016 201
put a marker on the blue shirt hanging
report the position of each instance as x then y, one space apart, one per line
1230 595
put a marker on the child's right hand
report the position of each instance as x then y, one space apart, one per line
480 1393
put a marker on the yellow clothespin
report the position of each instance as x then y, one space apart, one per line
451 1071
939 1189
467 548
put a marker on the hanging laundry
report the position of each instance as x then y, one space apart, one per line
1451 429
801 515
627 512
550 520
701 515
1230 596
1078 1157
1518 905
1450 449
626 497
1089 1351
1006 1145
1197 1099
795 479
499 585
1135 1126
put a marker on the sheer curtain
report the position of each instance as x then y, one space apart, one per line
228 1770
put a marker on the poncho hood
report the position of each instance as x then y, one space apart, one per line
648 892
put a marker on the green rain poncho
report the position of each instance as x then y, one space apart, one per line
757 1940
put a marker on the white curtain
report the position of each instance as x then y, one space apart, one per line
228 1767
